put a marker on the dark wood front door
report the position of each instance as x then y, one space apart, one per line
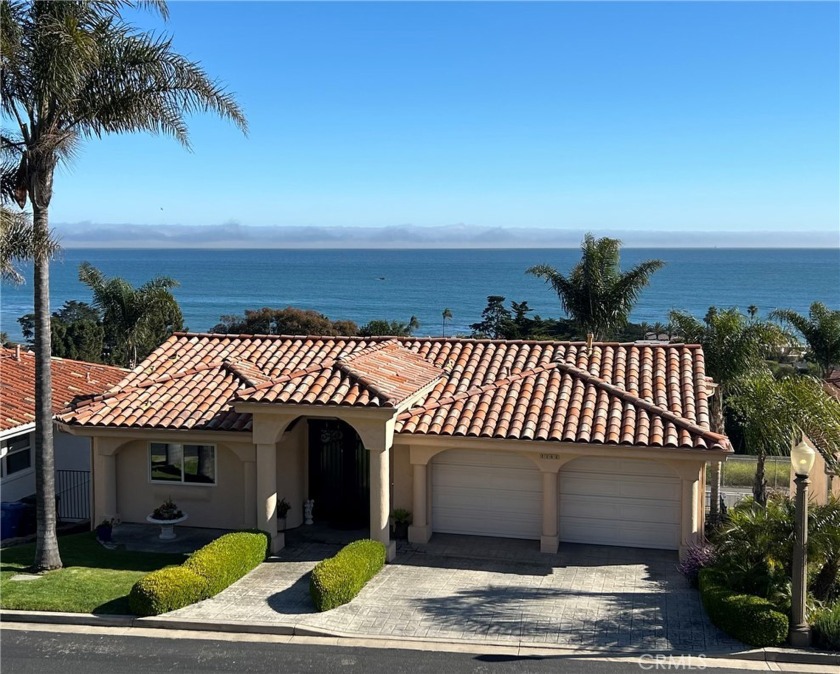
338 475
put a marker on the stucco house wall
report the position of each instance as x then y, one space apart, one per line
222 505
292 469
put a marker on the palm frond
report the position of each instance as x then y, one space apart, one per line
18 243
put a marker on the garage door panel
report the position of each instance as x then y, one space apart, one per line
609 532
595 485
619 466
472 477
619 510
627 502
486 493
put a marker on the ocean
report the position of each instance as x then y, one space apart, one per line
362 285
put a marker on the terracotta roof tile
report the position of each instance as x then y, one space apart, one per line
71 379
634 394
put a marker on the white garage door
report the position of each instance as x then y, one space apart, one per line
486 494
620 502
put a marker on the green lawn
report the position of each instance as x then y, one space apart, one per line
93 580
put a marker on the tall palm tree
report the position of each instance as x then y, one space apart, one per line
821 330
596 294
733 347
776 412
73 70
447 316
136 320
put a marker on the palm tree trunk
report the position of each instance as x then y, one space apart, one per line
46 548
759 483
718 426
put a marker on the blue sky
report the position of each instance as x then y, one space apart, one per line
679 116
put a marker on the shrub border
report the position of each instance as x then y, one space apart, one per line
748 618
204 574
337 580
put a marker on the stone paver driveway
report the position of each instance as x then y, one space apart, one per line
491 590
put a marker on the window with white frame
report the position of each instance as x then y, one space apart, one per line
186 464
17 455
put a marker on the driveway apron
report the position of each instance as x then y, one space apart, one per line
464 588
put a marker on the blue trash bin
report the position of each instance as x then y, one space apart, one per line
11 514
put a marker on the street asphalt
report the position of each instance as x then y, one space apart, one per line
104 651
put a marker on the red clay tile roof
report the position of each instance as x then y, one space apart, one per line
70 379
635 394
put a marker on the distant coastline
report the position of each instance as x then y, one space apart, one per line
409 237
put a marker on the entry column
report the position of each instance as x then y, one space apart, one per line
690 524
550 538
267 494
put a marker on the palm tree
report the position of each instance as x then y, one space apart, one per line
821 330
413 324
596 294
447 315
776 412
72 71
136 320
17 243
733 347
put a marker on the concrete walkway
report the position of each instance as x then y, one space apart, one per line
485 590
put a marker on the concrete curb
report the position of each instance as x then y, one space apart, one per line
776 655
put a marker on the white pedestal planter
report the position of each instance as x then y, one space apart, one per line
167 527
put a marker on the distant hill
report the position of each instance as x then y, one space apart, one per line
90 235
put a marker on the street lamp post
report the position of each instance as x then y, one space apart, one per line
802 458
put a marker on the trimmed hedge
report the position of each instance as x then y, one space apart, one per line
336 580
207 572
225 560
750 619
166 590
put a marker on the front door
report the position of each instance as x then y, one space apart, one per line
338 475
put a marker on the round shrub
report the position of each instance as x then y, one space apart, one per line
336 580
750 619
166 590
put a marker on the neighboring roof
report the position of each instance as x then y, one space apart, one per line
70 379
633 394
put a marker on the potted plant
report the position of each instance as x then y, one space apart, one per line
167 511
167 515
283 509
401 518
104 530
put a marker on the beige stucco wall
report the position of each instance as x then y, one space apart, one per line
401 478
220 506
292 464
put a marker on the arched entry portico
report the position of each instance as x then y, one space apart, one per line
375 429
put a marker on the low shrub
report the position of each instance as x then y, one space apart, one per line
206 573
336 580
748 618
166 590
228 558
825 624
